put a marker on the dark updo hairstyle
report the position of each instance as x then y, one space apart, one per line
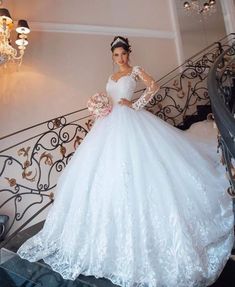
120 41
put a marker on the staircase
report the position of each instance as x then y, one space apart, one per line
40 152
221 80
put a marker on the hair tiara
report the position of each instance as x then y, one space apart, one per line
119 40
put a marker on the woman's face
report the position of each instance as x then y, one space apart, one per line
120 56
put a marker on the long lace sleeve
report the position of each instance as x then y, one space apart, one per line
151 88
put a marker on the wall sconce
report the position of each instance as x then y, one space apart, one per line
7 52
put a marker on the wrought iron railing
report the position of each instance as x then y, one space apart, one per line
182 91
29 169
32 159
221 85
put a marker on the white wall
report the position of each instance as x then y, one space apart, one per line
228 8
62 69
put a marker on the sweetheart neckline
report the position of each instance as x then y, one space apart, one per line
128 75
119 78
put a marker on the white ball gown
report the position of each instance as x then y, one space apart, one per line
138 204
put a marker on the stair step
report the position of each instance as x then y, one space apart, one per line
201 115
203 110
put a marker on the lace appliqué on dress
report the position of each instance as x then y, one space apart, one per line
150 91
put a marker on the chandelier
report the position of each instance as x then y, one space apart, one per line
200 7
7 52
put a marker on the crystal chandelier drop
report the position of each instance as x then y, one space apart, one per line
7 52
204 8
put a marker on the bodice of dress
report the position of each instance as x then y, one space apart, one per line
125 87
122 88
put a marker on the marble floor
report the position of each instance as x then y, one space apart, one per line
16 272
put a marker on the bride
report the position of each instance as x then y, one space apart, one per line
139 203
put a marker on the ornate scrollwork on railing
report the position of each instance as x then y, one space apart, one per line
175 101
228 160
39 164
221 83
180 95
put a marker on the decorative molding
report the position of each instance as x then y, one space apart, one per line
176 28
99 30
228 9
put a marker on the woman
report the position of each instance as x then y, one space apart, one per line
138 203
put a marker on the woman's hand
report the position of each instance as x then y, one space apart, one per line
125 102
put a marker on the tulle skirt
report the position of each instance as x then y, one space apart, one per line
140 203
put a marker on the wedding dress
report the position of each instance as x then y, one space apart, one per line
140 203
